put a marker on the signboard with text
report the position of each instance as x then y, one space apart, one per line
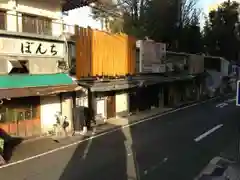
151 56
28 47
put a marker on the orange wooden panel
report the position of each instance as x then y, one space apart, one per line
83 53
132 55
78 56
101 53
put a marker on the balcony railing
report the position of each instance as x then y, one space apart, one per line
33 25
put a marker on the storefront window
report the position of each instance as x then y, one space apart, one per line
10 115
20 116
28 114
2 116
19 109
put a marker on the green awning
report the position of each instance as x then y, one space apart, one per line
36 80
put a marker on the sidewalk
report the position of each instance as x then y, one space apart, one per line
232 151
224 166
122 121
40 145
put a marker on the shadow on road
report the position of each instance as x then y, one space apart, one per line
160 149
98 158
10 143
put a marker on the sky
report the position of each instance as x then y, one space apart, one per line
205 4
82 17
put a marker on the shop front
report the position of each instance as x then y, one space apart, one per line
105 105
28 104
21 116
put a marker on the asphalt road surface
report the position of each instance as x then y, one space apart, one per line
175 146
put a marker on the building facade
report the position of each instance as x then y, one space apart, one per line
120 80
218 70
34 61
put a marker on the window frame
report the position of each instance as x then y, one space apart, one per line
5 19
39 24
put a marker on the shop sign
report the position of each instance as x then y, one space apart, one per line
29 47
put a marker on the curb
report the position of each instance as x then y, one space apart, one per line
101 133
183 105
164 112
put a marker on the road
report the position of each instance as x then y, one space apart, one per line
175 146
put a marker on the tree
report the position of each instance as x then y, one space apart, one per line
175 22
123 15
161 20
116 25
109 15
133 15
191 37
221 32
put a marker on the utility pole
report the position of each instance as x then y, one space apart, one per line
179 21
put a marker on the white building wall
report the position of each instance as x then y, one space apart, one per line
12 22
195 64
224 67
121 102
5 4
50 105
82 98
101 107
43 8
67 107
57 27
39 66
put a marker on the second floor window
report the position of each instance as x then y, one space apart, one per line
2 20
35 24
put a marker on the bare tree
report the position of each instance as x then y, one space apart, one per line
189 12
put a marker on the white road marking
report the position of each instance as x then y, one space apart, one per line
199 138
154 167
85 153
225 103
102 134
221 105
231 100
128 148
